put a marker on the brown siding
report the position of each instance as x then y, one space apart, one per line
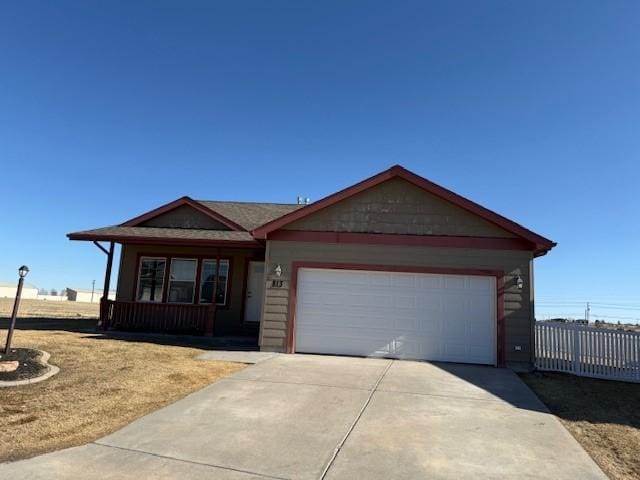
397 206
518 315
227 317
185 216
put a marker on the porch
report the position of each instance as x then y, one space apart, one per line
157 317
185 290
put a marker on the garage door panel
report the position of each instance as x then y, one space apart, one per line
400 315
404 302
403 281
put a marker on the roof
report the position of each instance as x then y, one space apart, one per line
250 215
541 244
183 236
15 284
250 222
87 290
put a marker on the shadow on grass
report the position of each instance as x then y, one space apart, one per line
88 326
575 399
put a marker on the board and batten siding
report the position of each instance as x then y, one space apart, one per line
517 303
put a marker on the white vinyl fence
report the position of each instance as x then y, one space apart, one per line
588 351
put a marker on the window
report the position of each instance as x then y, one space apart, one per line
182 280
182 284
208 279
151 279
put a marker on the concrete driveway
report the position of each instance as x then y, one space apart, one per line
314 417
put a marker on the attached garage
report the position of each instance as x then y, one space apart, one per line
397 266
427 316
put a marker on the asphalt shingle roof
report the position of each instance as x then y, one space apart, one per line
250 215
166 233
247 215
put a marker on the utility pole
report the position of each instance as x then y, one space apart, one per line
93 288
587 312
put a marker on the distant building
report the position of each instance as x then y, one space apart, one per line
84 295
8 290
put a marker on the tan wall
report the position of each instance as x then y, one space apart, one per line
185 216
518 316
227 316
397 206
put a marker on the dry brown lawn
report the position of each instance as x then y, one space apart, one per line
49 309
103 385
603 415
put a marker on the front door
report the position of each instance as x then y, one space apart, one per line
255 291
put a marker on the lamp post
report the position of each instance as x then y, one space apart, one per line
22 271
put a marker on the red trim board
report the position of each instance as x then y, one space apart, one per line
402 240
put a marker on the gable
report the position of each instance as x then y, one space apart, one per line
184 216
397 206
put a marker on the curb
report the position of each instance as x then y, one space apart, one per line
53 370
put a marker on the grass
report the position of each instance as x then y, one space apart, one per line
103 385
49 309
603 415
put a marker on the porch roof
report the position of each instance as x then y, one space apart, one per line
166 236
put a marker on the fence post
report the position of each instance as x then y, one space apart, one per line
577 350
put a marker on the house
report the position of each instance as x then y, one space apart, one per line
393 266
88 296
8 290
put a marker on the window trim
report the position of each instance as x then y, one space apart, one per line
195 281
138 277
226 286
168 257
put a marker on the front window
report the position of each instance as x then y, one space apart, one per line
208 280
151 279
182 280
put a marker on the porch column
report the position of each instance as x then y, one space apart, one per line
104 318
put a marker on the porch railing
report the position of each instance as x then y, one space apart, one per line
157 317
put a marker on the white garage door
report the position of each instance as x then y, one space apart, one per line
448 318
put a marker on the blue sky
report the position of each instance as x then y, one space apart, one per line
108 109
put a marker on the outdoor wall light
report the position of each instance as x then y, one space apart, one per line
23 270
519 282
278 270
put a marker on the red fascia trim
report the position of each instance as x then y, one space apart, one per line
402 240
472 207
498 274
178 203
400 172
133 240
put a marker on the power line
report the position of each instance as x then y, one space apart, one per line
581 315
608 305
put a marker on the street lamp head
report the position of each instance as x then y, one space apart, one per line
23 270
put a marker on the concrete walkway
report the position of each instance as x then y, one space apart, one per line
314 417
